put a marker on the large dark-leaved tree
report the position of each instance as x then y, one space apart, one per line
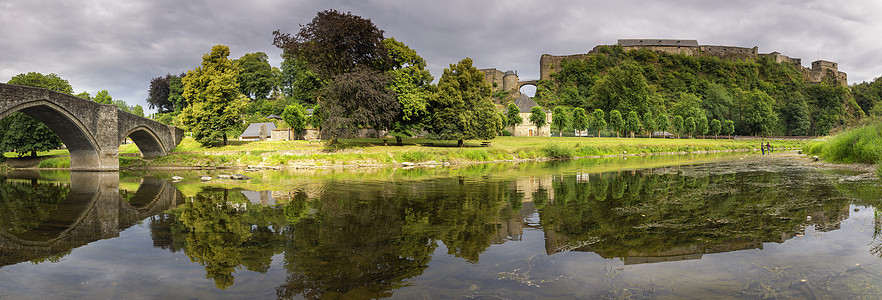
255 75
23 134
462 109
334 43
357 99
157 94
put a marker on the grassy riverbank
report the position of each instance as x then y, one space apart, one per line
378 152
861 145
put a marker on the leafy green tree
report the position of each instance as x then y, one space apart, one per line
560 119
513 116
121 105
297 82
537 117
103 97
84 96
632 123
256 78
461 108
688 105
677 125
23 134
796 116
412 85
295 117
215 104
689 126
715 127
580 119
757 113
335 43
624 88
616 122
662 123
701 126
598 120
176 92
138 110
356 100
649 123
717 102
728 127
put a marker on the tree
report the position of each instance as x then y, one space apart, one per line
138 110
256 78
560 119
689 126
701 126
632 123
121 105
616 122
598 120
158 94
411 83
677 125
580 119
355 100
624 88
297 82
461 108
84 95
715 127
214 102
537 118
728 127
717 102
176 92
295 116
23 134
513 117
103 97
796 115
649 123
662 123
757 113
334 43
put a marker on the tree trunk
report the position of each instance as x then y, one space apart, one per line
459 143
225 138
33 153
398 140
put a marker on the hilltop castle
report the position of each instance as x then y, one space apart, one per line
548 64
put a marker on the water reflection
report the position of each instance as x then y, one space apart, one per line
367 237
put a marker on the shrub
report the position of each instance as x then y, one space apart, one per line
555 151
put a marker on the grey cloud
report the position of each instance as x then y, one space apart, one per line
119 46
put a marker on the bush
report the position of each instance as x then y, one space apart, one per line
858 145
555 151
55 162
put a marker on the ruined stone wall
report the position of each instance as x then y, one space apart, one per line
549 64
693 51
730 52
494 77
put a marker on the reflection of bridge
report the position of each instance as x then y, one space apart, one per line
91 131
93 210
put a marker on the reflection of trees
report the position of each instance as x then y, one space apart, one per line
25 205
663 212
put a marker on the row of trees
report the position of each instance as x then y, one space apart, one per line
631 123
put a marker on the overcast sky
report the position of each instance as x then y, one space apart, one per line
120 45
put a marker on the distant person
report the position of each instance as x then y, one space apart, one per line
763 148
769 147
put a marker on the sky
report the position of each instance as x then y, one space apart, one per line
119 46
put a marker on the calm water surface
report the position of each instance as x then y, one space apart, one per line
676 227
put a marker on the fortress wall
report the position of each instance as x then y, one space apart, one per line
730 52
494 77
552 63
693 51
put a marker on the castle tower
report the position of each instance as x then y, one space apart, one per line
510 83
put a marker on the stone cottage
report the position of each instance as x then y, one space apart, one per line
525 104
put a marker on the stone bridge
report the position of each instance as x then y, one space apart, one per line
91 131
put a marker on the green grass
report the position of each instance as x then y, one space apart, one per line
55 162
857 145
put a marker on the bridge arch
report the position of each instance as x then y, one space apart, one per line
147 141
70 129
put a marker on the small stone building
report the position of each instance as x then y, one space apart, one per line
257 132
525 104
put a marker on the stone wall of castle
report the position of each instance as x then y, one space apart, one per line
494 77
730 52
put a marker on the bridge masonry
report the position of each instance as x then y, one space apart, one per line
92 132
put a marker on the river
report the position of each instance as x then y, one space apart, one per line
657 227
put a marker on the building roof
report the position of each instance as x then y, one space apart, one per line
657 42
253 130
525 104
274 116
